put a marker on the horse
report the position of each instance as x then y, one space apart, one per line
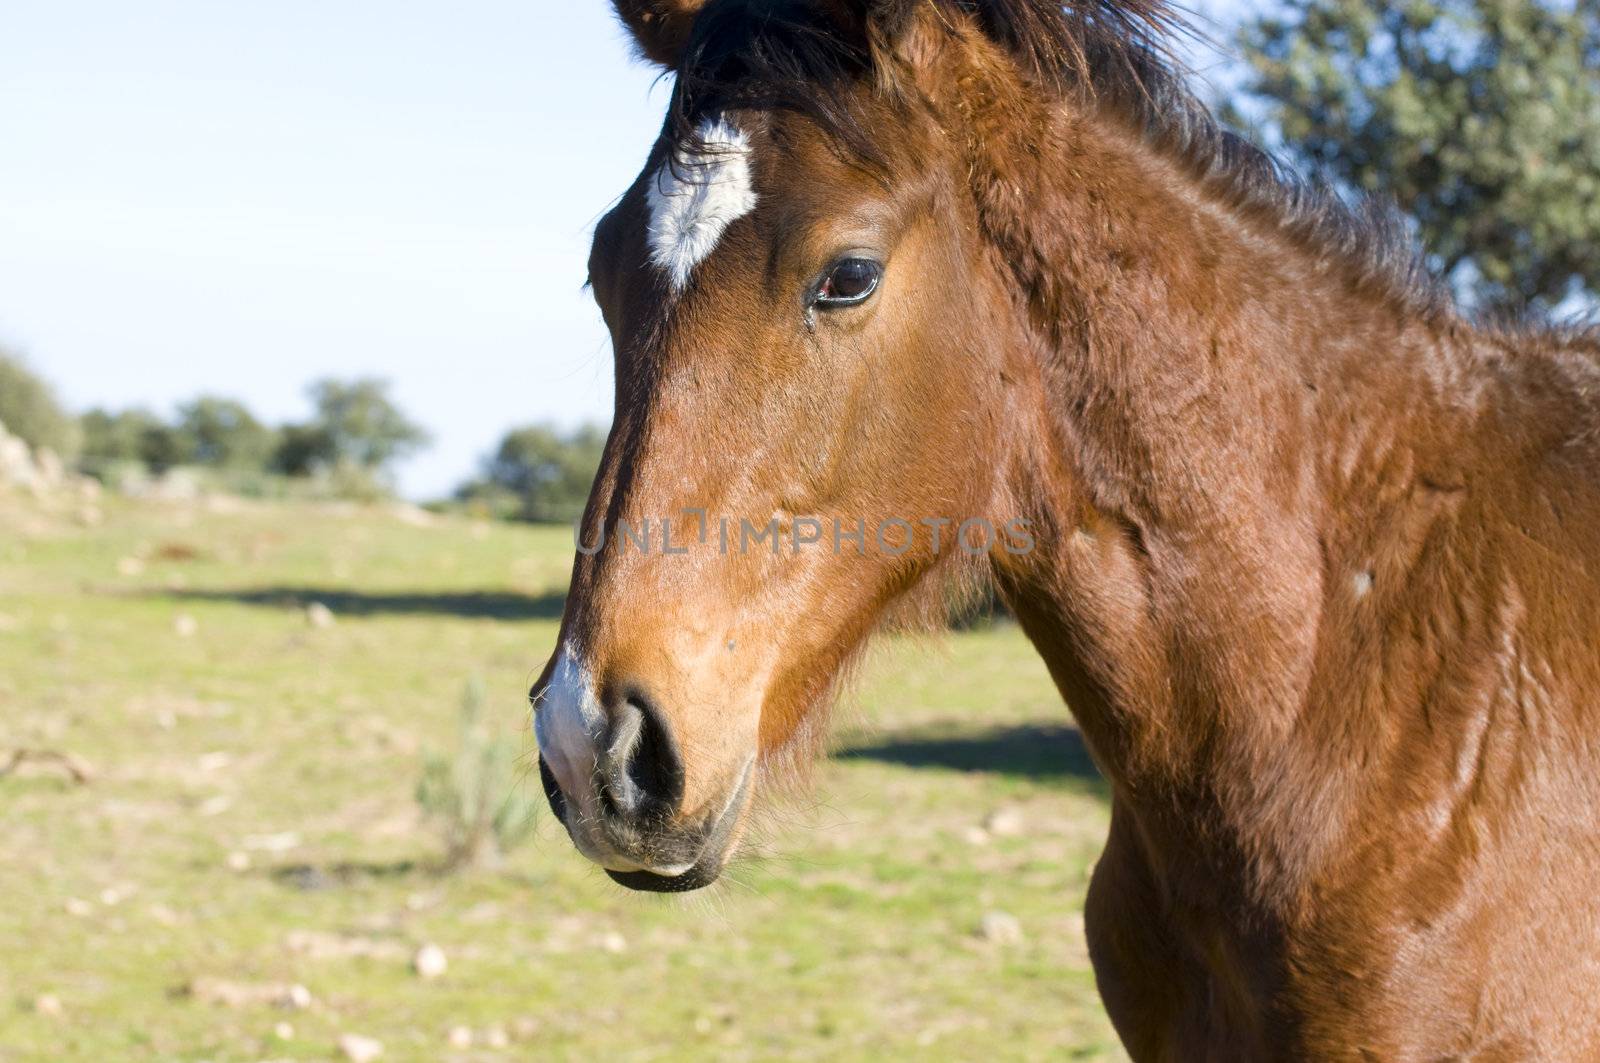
911 293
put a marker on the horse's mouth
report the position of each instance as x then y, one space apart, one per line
697 877
706 846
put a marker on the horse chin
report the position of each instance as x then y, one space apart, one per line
697 877
717 840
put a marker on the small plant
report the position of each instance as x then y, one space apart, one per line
476 795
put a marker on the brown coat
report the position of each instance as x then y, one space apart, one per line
1317 561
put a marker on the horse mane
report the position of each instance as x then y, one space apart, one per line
806 56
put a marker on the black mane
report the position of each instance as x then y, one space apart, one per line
805 57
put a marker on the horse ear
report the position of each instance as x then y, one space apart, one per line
660 28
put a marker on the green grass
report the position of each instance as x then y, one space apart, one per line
851 933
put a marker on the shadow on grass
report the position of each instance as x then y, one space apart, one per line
312 878
471 605
1039 753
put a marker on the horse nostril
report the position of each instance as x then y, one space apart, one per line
641 774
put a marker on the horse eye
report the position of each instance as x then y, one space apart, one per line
849 283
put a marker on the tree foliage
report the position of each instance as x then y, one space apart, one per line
30 411
1481 118
358 424
355 432
540 473
130 437
224 434
302 450
210 432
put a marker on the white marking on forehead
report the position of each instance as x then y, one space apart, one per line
694 199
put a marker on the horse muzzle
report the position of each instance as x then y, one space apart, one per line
614 776
657 857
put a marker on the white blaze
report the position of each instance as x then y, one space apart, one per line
695 198
568 721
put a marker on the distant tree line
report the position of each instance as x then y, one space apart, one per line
354 434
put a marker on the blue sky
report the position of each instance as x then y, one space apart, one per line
240 198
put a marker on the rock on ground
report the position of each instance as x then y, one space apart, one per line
319 945
1000 928
247 994
429 962
359 1049
1005 822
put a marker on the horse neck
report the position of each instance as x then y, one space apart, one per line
1212 399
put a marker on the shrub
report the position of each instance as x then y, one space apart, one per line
539 473
30 411
476 795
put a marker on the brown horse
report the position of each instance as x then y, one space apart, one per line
910 289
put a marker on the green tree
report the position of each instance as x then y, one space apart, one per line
131 437
110 438
545 472
302 449
356 426
222 433
163 446
30 411
361 425
1481 118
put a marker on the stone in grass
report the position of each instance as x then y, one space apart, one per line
319 615
459 1037
294 997
47 1004
185 626
429 962
112 896
1000 928
283 1031
1007 822
359 1049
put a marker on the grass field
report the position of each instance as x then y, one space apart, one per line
251 823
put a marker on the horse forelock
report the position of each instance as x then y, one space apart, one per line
821 59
